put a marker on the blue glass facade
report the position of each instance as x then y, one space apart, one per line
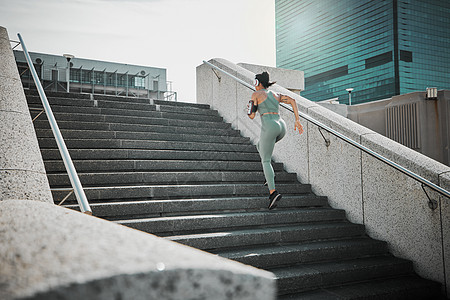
379 48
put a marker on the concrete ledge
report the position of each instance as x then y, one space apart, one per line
17 136
408 158
22 172
7 63
10 90
24 184
49 252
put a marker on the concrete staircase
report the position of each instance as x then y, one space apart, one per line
178 171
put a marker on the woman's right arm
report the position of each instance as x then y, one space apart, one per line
288 100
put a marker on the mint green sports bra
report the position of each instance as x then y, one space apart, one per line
269 105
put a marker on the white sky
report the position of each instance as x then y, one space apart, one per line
173 34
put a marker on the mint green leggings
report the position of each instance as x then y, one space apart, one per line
273 129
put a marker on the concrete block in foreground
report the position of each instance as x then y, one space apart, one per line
22 172
49 252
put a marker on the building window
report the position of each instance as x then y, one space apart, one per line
379 60
111 79
75 75
99 77
121 80
406 56
331 74
86 76
139 81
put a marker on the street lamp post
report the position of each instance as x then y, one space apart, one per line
157 85
68 57
349 90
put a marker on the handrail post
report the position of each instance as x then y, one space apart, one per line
73 176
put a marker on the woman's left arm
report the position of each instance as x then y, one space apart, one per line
255 102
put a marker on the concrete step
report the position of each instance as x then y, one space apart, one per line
155 101
273 235
88 96
105 124
119 144
147 192
269 256
304 277
185 224
211 129
135 165
121 102
409 287
148 119
124 135
78 105
142 160
124 121
165 177
156 208
67 106
29 93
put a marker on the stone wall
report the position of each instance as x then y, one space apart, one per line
22 172
391 205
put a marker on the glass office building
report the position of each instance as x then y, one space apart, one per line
380 48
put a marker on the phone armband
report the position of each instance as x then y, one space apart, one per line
251 107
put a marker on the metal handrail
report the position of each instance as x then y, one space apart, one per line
73 176
350 141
